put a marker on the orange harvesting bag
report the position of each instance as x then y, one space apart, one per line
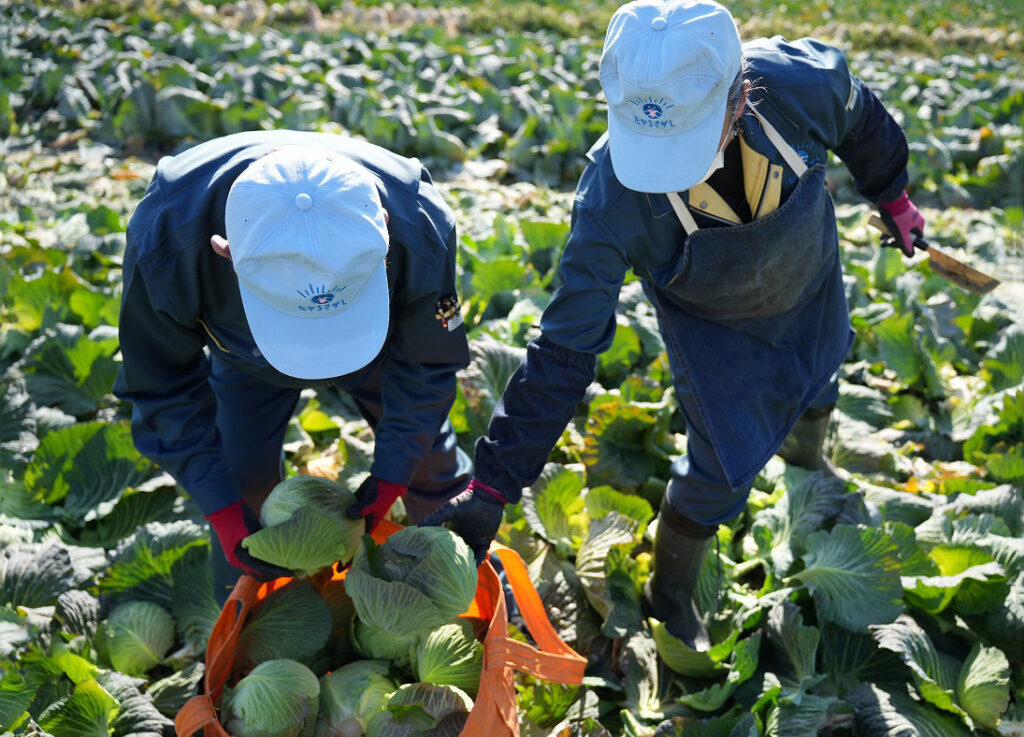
494 709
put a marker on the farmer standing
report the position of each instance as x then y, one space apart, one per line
710 186
337 269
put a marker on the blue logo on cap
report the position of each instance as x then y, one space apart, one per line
321 298
652 111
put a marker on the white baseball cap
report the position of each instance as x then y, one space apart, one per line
666 69
308 240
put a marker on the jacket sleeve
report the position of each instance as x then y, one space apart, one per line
542 395
164 374
845 115
868 140
875 149
422 355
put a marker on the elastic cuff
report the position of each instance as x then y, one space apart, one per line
477 485
898 206
567 356
391 486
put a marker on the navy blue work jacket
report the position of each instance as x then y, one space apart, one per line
180 298
805 90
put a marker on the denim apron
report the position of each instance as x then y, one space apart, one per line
755 318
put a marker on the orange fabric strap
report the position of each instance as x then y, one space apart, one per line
220 650
198 714
553 660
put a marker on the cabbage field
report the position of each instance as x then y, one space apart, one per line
886 604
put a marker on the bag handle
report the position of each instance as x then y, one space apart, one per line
198 714
220 650
553 660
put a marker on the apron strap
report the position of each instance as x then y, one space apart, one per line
791 157
689 224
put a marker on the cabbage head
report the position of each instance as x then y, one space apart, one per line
279 698
351 695
138 636
419 579
292 623
422 710
373 642
450 656
304 526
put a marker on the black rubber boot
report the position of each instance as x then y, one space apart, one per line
680 546
803 446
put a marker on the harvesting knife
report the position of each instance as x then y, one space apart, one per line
946 266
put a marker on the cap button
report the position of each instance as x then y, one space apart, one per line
659 23
303 201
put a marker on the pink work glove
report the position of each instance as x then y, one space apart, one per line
903 221
233 524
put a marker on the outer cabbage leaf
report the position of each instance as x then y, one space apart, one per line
983 687
864 404
616 447
422 710
555 509
305 528
786 631
591 562
16 695
170 694
89 711
849 659
32 578
957 566
17 424
641 682
1000 447
86 467
144 566
137 715
744 663
482 382
781 531
604 499
882 714
934 672
140 634
419 579
292 623
803 717
853 573
68 369
686 661
195 609
1003 366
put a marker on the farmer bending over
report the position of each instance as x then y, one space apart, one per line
260 264
710 186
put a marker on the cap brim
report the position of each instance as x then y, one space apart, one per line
323 347
659 164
